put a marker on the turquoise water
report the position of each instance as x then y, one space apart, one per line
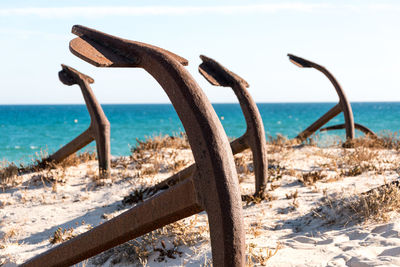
28 129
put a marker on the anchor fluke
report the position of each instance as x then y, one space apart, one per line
300 62
218 75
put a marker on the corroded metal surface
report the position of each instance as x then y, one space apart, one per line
343 105
99 129
358 126
213 187
254 137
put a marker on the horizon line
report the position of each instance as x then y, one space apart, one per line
168 103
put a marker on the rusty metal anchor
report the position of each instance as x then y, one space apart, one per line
98 130
253 138
213 187
343 105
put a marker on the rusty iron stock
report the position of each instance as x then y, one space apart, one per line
99 129
343 105
360 127
253 138
214 185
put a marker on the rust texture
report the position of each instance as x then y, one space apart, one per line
214 185
343 105
99 129
358 126
254 137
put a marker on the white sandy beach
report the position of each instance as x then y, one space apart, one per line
312 223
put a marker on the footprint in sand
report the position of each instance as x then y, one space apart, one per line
394 252
304 239
388 230
301 242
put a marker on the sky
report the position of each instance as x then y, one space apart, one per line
357 41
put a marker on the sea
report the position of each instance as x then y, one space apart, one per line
28 131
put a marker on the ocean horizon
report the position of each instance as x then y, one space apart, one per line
28 129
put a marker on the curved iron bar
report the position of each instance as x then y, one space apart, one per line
343 105
214 186
358 126
254 136
99 129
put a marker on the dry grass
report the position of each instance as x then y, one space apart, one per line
52 173
279 143
9 236
390 140
385 140
275 171
278 140
256 256
72 160
359 155
350 162
378 205
61 235
46 171
159 154
310 178
244 165
159 142
8 173
358 160
293 195
93 174
258 198
136 196
49 176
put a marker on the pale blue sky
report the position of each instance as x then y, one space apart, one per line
358 41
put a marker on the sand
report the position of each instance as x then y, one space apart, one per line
302 224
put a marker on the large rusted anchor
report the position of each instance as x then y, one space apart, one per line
253 138
213 187
343 105
98 130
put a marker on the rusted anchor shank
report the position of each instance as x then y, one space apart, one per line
99 128
343 105
358 126
213 187
254 137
